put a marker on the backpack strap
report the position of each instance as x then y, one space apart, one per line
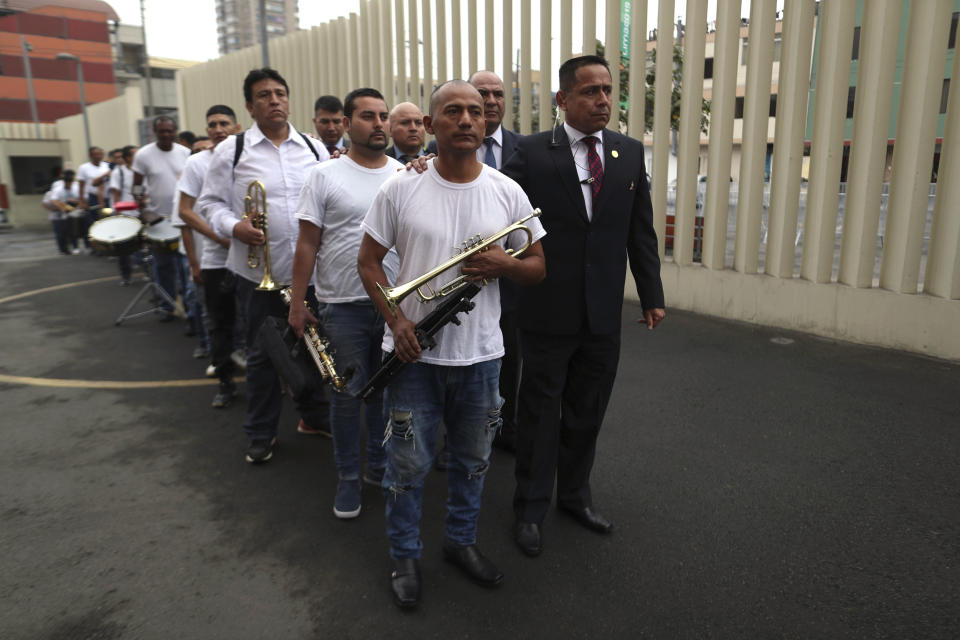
238 150
306 139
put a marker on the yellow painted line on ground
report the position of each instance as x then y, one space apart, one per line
56 288
67 383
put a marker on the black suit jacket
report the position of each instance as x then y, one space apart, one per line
587 259
510 139
393 152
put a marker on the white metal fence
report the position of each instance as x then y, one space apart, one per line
796 255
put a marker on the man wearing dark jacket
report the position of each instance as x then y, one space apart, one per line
590 183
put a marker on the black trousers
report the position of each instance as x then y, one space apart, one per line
220 293
510 370
564 391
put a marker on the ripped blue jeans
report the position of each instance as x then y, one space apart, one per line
467 400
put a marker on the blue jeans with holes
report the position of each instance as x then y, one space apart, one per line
355 332
467 400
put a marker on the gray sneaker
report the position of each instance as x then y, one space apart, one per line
260 451
347 503
225 395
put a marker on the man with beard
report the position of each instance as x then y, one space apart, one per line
333 201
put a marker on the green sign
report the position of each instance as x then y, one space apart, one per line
626 9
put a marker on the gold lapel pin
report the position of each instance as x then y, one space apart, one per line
615 153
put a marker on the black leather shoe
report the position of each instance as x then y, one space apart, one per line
527 537
473 563
589 518
405 582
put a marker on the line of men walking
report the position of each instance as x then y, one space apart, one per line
341 229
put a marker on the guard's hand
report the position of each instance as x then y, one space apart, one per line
405 342
195 273
299 317
338 153
419 164
652 317
488 264
247 233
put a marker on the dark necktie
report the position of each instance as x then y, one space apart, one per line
489 159
404 158
596 167
331 148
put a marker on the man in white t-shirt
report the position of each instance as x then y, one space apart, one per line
121 190
92 177
156 169
333 201
62 198
426 217
219 285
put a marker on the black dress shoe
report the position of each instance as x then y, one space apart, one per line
405 582
527 537
473 563
589 518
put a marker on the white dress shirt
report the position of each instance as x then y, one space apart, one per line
497 147
282 171
580 151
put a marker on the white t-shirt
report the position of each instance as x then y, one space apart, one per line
87 173
212 255
160 170
335 197
427 218
122 180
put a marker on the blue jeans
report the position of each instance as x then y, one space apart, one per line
355 332
165 275
467 400
264 393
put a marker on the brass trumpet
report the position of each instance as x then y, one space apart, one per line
318 347
255 210
395 295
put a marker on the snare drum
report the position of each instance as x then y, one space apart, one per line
115 235
162 236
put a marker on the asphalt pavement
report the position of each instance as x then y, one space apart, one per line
762 484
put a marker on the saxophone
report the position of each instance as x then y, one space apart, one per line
255 210
319 348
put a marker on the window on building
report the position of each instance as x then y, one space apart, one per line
708 68
32 175
777 44
743 52
773 105
953 30
738 107
945 95
851 94
856 44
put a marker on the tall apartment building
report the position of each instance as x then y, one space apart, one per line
238 26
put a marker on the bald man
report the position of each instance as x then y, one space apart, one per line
407 132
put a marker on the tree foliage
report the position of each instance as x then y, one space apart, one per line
650 82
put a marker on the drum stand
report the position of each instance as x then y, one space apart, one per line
159 295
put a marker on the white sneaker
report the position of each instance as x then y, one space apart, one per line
239 358
211 371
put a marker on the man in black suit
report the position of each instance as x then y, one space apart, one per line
407 132
328 120
591 184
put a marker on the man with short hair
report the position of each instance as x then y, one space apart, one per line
591 184
334 199
91 177
406 130
156 169
187 138
219 284
328 120
274 153
425 216
121 185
